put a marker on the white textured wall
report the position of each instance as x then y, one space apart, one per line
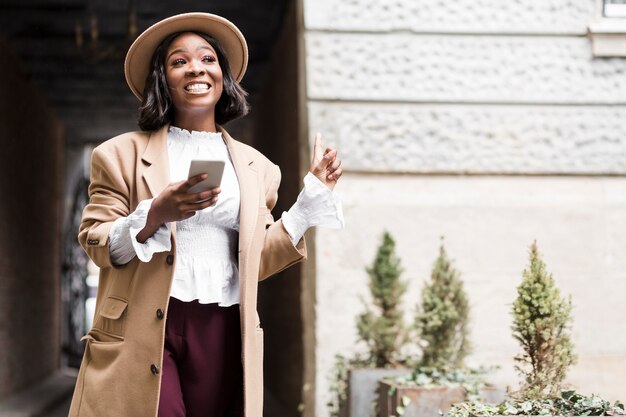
476 69
459 16
416 94
427 138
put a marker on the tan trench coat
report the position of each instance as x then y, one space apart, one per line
120 372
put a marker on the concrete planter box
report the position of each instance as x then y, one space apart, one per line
425 402
363 390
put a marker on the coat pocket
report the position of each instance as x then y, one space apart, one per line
103 379
110 321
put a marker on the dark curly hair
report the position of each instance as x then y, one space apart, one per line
156 108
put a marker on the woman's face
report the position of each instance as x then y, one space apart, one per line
193 74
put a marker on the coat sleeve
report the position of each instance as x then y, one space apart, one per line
108 201
278 251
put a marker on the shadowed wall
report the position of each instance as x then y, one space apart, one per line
277 129
30 182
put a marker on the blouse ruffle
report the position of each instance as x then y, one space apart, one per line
123 244
316 205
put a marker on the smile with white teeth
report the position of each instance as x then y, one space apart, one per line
197 87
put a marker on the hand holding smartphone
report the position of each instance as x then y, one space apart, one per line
214 170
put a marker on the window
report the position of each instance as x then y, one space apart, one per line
608 30
614 8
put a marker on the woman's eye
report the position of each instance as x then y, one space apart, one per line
208 58
178 61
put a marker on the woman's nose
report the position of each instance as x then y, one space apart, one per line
195 68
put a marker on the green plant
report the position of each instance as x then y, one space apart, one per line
442 319
541 321
567 404
338 385
381 326
472 380
441 328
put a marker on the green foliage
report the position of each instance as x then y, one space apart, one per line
541 325
338 385
442 320
381 326
472 380
339 381
567 404
541 321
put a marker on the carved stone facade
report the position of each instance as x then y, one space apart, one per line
489 123
486 139
399 67
460 16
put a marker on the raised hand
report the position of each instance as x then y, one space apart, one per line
325 164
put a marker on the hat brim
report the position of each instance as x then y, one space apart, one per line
140 53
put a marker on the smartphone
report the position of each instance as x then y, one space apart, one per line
214 170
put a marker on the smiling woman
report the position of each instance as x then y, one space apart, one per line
176 331
171 59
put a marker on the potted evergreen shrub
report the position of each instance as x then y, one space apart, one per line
381 330
541 324
439 378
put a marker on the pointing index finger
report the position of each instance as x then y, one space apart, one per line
317 147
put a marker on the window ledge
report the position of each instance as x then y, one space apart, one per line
608 37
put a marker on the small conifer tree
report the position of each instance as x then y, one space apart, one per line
541 321
381 326
442 320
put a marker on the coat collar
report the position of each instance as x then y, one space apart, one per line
157 172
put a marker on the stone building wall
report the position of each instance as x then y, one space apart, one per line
489 123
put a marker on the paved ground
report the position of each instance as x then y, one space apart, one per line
49 398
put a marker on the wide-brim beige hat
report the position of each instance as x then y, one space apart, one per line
139 55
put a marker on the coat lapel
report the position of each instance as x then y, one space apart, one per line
245 169
156 173
248 209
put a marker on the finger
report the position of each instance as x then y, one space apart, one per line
333 167
331 154
208 203
335 175
186 185
199 205
327 159
317 146
203 195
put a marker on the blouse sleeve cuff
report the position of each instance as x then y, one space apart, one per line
158 242
120 245
316 206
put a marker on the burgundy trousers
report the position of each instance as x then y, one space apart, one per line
202 372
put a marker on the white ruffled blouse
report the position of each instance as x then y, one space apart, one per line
206 267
